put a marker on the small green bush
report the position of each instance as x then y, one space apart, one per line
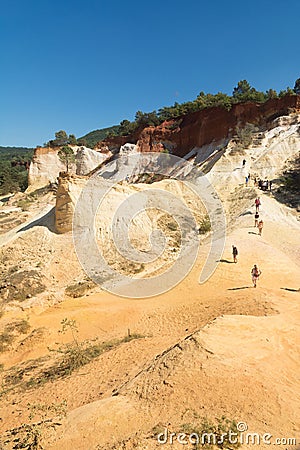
205 225
213 434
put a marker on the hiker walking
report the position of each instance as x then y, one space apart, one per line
260 227
247 181
257 204
265 185
255 273
270 185
244 162
256 217
234 253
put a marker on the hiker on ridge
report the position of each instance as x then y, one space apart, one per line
234 253
257 203
260 227
255 273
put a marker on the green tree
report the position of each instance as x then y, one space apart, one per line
126 127
271 93
297 87
61 138
72 139
67 156
244 92
242 89
287 91
82 142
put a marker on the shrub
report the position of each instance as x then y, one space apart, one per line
213 434
205 225
245 134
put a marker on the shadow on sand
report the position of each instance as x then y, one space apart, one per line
48 221
252 232
238 288
291 290
225 261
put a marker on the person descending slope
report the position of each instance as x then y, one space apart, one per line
257 203
234 253
260 226
256 217
255 273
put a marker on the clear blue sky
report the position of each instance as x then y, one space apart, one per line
81 65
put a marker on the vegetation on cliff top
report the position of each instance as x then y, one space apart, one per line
14 161
243 92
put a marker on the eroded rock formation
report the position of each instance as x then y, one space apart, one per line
46 165
68 191
204 127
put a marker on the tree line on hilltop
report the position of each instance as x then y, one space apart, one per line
243 92
14 161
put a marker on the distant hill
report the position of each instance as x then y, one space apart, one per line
14 163
99 135
16 153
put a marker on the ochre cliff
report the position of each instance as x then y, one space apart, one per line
208 125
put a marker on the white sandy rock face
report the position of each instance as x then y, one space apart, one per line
46 165
44 168
264 159
87 159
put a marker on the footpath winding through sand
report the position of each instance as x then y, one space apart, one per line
238 351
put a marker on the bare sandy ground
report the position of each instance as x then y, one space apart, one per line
221 348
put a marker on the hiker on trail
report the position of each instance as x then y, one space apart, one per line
265 185
257 204
256 217
244 162
260 227
270 185
255 273
247 180
260 183
234 253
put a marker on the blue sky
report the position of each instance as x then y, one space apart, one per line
81 65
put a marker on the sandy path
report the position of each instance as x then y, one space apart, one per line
255 354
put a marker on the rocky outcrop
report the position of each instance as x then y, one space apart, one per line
46 165
265 157
207 126
87 159
206 129
68 191
44 168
